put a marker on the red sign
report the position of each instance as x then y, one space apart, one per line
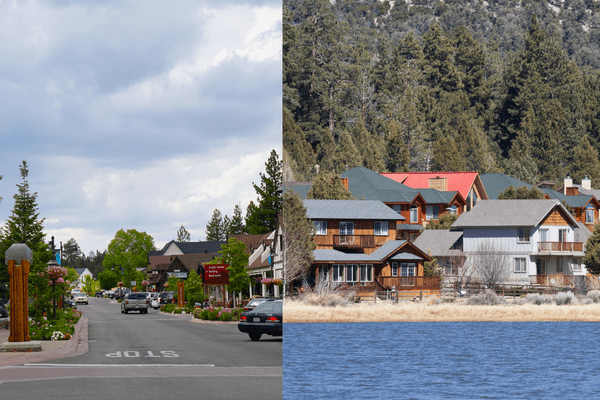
216 274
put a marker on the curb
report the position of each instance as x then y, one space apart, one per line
75 346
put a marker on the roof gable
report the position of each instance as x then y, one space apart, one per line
509 213
495 183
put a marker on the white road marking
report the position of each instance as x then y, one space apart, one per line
114 365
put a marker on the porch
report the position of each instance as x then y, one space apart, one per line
561 280
358 241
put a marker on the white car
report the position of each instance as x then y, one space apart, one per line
80 297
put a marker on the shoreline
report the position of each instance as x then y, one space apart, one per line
299 312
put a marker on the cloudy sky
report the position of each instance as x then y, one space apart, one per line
141 115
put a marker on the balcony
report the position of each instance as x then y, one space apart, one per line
354 241
560 247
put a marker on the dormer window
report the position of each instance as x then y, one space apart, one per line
433 213
589 214
414 214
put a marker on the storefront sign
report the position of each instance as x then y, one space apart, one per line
216 274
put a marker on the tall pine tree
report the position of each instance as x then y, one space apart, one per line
262 218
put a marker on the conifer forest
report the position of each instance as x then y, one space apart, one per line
508 86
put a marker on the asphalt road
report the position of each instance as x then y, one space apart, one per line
154 356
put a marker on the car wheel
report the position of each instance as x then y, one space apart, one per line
126 311
255 336
122 311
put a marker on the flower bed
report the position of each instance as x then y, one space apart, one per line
62 328
219 314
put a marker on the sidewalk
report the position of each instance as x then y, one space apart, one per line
51 350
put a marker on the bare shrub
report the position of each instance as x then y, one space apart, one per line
594 296
537 298
491 264
485 299
564 298
326 293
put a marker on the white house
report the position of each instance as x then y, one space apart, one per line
542 241
81 273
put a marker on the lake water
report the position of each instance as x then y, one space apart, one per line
445 360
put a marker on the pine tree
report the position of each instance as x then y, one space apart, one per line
183 235
72 255
397 153
297 148
327 186
236 223
586 162
263 218
25 226
215 229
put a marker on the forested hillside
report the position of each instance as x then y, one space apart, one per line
499 86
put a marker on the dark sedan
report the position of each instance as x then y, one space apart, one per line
265 319
256 301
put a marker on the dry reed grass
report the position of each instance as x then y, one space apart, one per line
429 311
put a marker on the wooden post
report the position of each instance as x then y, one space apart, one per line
180 295
19 296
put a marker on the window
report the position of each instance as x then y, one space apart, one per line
337 273
433 212
576 264
397 208
381 228
562 235
324 272
346 228
352 273
559 265
320 227
452 210
589 214
543 235
520 265
366 272
394 269
523 235
414 214
408 269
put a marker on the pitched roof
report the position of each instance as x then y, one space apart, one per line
509 213
252 242
322 255
301 188
369 185
195 247
495 183
457 181
579 201
350 209
438 242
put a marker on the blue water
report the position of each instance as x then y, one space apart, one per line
442 360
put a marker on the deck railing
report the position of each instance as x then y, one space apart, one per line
410 282
560 247
354 241
553 280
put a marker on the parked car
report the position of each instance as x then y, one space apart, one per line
70 303
80 297
99 294
256 301
165 297
3 311
135 302
120 293
265 319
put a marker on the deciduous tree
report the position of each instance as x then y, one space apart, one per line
127 252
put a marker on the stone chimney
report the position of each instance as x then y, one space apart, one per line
568 182
586 183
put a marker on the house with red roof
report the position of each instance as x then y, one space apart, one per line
468 184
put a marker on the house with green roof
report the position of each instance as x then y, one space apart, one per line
418 207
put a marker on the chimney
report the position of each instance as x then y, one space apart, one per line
586 183
345 182
568 182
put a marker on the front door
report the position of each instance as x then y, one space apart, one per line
540 266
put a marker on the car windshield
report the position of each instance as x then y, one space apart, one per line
136 296
269 307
